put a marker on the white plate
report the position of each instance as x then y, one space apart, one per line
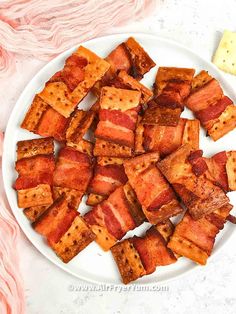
93 264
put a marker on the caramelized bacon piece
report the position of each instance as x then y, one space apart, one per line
73 169
52 124
113 218
153 251
153 192
107 177
214 111
199 194
118 115
205 96
140 256
166 139
195 239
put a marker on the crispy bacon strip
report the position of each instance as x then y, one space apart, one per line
166 139
73 169
195 239
153 192
107 177
111 219
199 194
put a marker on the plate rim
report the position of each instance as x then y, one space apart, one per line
4 159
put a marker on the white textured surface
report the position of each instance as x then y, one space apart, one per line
197 24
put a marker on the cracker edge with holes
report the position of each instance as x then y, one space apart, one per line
104 148
119 99
128 261
37 196
231 170
30 148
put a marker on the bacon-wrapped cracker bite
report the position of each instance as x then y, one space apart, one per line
43 120
156 196
69 86
79 125
172 86
166 139
139 256
108 174
187 174
195 239
113 218
65 231
130 57
35 166
222 167
118 116
215 111
73 169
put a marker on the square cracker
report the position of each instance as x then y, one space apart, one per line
30 148
119 99
77 238
225 55
128 261
37 196
34 114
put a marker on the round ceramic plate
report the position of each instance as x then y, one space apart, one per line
92 264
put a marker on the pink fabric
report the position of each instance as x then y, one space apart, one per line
11 284
43 29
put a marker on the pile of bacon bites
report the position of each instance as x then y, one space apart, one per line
144 163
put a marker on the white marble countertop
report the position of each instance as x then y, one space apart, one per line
198 24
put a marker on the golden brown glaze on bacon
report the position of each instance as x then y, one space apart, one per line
140 256
107 177
52 124
187 176
215 111
195 239
172 86
113 218
166 139
73 169
153 191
